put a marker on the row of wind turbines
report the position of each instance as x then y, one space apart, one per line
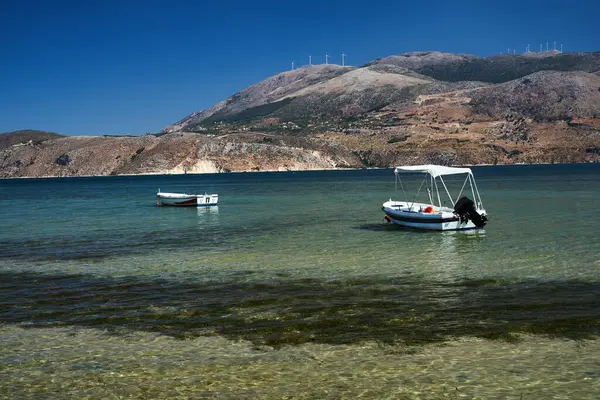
528 49
327 57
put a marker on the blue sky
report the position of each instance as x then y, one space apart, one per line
133 67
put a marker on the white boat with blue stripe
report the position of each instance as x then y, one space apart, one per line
433 213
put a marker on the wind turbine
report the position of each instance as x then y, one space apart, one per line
326 59
292 65
561 48
343 55
310 60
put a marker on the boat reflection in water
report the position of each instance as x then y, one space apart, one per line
203 211
452 255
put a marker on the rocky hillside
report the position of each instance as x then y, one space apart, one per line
325 90
495 69
315 93
424 107
543 96
176 153
271 90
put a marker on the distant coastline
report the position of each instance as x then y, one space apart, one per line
276 171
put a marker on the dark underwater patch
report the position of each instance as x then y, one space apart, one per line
286 311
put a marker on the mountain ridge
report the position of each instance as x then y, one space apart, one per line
381 114
434 68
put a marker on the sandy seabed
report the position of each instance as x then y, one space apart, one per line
65 363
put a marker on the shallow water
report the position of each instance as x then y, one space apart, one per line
292 286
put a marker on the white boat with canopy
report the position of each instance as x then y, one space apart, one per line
434 214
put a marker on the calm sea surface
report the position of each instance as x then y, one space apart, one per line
294 288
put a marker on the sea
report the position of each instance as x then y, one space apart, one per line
294 287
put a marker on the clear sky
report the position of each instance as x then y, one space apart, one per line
96 67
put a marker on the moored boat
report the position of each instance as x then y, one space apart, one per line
184 199
434 214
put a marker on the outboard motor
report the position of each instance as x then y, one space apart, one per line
465 208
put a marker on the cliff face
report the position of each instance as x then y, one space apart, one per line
414 108
170 154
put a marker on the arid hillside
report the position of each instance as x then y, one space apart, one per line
176 153
422 107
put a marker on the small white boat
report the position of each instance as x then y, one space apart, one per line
434 214
184 199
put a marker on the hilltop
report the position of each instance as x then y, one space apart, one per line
495 69
26 136
324 92
419 107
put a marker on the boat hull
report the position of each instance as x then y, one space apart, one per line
183 200
401 214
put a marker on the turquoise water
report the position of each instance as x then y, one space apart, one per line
294 287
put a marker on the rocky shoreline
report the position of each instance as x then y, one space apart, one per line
192 153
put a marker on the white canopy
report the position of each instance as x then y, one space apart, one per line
433 170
